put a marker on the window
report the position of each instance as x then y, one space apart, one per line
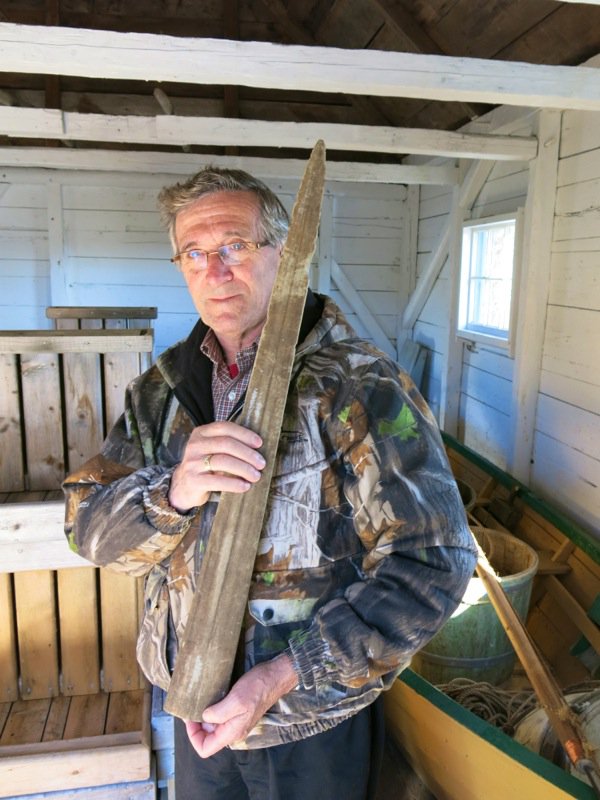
488 280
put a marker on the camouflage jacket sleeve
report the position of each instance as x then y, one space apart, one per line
117 509
408 515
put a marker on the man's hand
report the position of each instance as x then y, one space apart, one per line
231 719
219 457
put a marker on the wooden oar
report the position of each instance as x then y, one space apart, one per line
560 715
204 665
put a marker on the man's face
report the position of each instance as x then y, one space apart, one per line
233 301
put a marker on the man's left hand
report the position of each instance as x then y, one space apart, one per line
232 718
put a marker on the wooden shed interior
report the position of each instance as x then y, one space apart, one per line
435 113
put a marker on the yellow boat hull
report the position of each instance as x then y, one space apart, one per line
461 757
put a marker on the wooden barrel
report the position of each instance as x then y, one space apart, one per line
472 644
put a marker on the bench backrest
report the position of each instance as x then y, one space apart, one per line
61 393
82 317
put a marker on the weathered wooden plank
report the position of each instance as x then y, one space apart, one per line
26 722
96 341
119 613
71 51
355 300
32 535
56 719
37 634
101 312
83 407
79 634
143 163
87 716
125 711
12 476
579 393
31 770
569 425
572 342
580 132
570 477
533 293
119 370
43 419
132 790
575 279
9 689
178 130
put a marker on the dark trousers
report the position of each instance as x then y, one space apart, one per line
343 762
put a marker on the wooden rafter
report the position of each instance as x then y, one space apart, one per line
366 108
172 130
41 161
411 33
105 54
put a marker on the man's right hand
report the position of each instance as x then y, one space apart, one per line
219 457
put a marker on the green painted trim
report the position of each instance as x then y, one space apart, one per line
572 530
497 738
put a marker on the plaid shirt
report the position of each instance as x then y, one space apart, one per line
229 382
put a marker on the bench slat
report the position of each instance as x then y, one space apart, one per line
43 420
95 341
9 689
87 716
12 477
79 635
83 403
120 625
35 600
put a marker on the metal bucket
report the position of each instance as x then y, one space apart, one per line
472 644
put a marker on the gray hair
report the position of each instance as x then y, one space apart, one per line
274 220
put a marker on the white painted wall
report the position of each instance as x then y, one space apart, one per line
24 260
566 455
567 435
85 237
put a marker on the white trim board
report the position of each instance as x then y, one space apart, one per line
46 50
39 123
51 158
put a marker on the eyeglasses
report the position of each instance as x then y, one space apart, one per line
231 255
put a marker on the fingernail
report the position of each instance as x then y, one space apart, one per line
260 460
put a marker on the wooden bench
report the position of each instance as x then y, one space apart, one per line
74 708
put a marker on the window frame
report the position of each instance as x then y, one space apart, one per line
484 337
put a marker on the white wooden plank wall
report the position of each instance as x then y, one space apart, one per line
484 409
432 325
567 437
486 385
112 250
24 264
367 231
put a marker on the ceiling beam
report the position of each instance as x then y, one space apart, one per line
410 32
34 123
81 160
106 54
369 112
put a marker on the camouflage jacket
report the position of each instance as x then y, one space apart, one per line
365 549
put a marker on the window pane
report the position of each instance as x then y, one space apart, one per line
487 274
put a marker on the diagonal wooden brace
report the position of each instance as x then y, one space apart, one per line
204 665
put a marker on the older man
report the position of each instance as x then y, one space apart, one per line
364 552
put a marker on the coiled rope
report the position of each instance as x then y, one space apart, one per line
502 708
